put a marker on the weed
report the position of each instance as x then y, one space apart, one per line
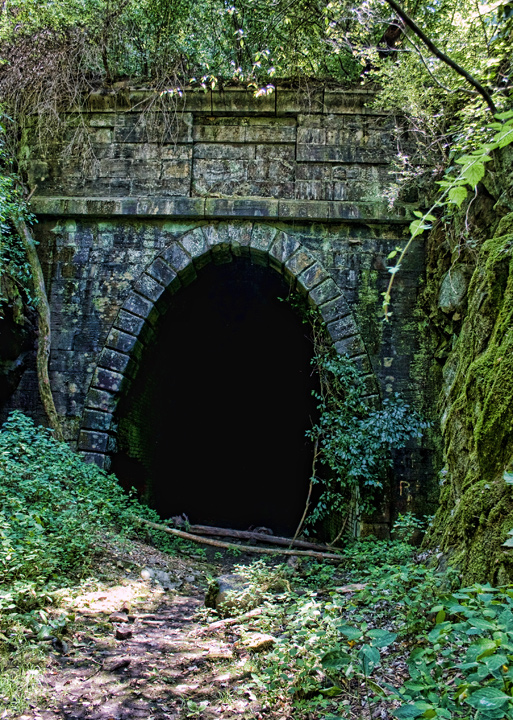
21 666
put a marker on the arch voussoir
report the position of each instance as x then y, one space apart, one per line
342 328
180 261
149 288
282 249
115 361
331 306
163 273
176 266
297 263
262 237
195 243
311 277
137 304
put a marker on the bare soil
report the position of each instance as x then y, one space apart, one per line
166 661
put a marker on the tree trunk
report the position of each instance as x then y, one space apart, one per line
44 332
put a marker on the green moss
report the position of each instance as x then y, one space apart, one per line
476 508
368 310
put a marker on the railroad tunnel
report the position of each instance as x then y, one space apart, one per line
214 423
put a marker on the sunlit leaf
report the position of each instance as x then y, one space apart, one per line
457 195
417 227
473 172
350 632
504 137
487 698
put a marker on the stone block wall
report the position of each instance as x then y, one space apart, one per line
130 202
280 154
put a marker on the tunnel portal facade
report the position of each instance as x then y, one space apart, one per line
296 185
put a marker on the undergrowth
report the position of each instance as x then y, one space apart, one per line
56 514
403 641
380 633
55 511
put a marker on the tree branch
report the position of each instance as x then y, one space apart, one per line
239 548
442 56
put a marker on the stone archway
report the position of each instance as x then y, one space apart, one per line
176 266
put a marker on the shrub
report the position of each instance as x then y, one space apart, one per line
53 506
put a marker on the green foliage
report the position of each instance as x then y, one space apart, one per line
331 646
182 42
397 643
21 671
194 709
360 555
54 508
454 188
353 440
13 259
406 525
464 663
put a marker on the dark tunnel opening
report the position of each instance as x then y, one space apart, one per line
214 424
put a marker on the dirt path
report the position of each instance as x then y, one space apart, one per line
169 666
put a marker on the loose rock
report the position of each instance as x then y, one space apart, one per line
122 633
116 664
259 642
230 595
118 617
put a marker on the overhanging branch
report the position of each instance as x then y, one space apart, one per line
442 56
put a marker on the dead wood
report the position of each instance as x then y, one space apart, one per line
248 535
239 548
218 624
355 587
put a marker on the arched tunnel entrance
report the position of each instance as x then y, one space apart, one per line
214 423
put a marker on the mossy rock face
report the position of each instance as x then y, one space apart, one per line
476 509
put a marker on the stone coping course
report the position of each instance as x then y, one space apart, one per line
217 208
239 101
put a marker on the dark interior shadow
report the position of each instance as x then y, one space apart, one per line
214 423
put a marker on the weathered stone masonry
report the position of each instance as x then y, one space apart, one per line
135 210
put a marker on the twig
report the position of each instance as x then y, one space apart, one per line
310 488
29 196
98 669
339 534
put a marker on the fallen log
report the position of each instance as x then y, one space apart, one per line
248 535
239 548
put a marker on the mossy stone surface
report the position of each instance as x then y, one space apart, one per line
476 509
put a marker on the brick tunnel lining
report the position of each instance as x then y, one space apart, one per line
214 424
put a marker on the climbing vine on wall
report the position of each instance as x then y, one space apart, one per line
352 439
